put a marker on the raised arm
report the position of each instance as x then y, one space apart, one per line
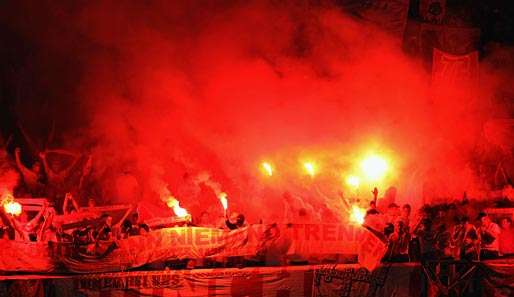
7 220
48 170
127 213
49 218
4 219
65 172
31 225
86 171
63 152
18 227
24 170
67 199
75 204
65 204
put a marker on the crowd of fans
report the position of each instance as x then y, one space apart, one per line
52 177
457 231
86 236
49 178
454 230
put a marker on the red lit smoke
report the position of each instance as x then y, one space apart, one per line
193 97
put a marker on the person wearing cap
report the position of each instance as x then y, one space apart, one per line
489 234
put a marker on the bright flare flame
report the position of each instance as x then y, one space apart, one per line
353 181
10 206
267 168
310 168
223 199
357 215
175 205
374 167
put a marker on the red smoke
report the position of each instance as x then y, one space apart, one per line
173 91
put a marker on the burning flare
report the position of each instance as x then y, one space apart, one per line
357 215
175 205
267 168
310 168
353 181
223 199
10 206
374 167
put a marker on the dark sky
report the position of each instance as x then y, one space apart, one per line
42 58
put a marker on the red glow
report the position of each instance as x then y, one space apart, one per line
215 89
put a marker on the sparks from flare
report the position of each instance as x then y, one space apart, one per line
267 168
374 167
175 205
357 215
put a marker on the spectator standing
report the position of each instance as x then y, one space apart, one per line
235 221
489 235
33 177
506 237
70 205
405 215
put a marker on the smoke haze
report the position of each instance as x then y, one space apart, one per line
192 97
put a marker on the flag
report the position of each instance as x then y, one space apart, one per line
371 251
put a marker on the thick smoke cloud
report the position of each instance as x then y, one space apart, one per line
191 97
